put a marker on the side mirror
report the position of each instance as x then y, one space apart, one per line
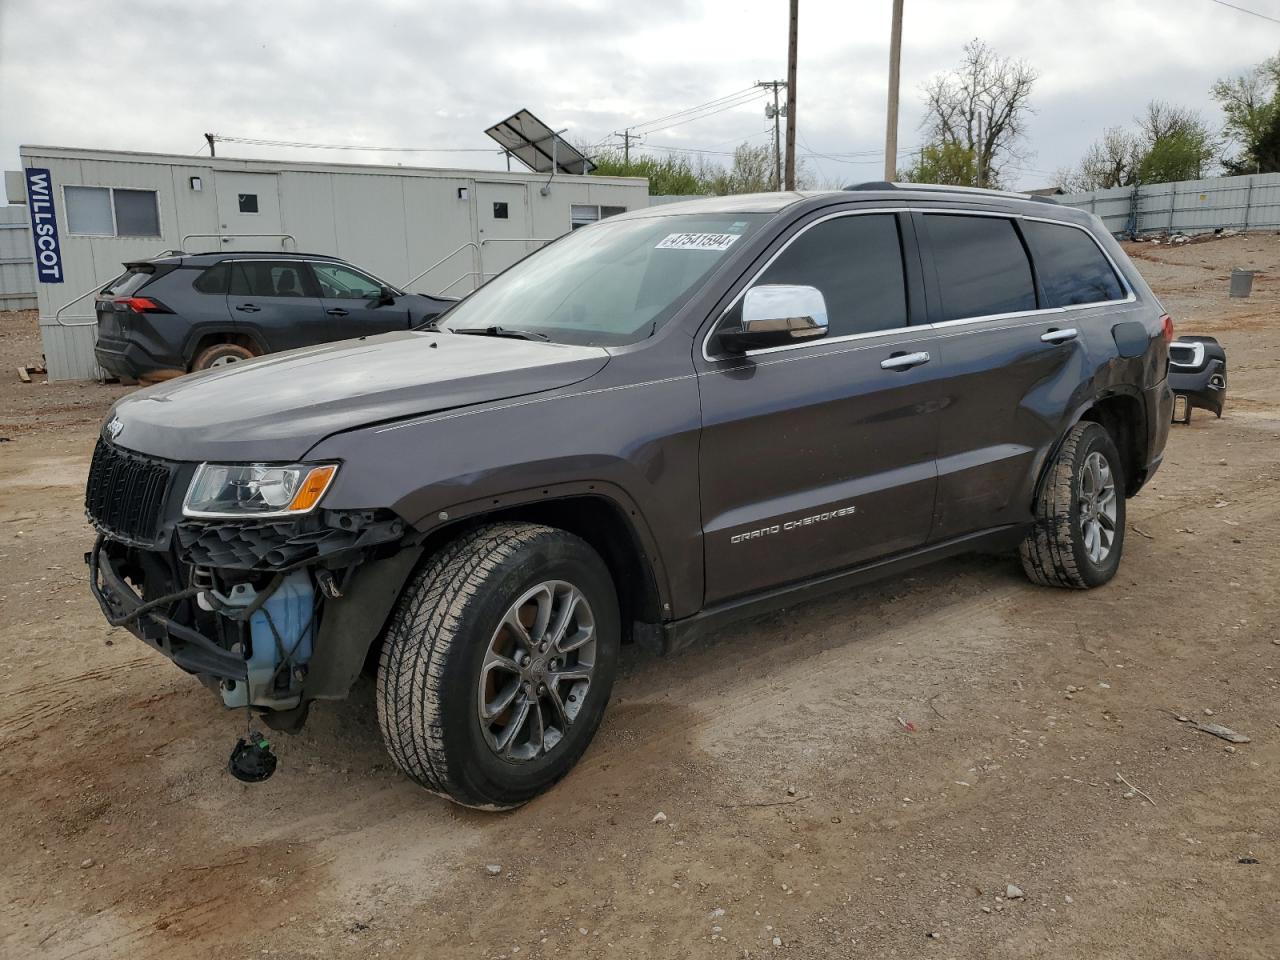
775 315
385 296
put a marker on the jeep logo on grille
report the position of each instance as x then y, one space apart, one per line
114 427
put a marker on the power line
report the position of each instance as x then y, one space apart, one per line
755 95
700 106
1252 13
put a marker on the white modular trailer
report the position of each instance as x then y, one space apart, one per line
439 231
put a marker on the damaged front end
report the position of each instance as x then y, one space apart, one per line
273 609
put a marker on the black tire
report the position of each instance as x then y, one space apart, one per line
1054 553
220 354
429 673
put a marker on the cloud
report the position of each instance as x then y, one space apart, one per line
154 75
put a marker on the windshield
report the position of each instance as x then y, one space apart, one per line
609 284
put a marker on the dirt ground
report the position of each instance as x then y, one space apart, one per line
803 818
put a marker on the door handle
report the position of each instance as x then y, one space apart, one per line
248 308
336 312
904 361
1059 336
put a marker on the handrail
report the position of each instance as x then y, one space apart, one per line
224 237
447 256
57 314
465 276
479 248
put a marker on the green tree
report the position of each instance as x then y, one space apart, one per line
1251 114
948 163
668 176
1170 143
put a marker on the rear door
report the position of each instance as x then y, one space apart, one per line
1012 365
820 456
277 301
352 302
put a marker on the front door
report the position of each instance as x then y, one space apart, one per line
248 211
504 225
820 456
352 304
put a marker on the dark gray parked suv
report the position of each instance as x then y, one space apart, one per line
649 428
180 311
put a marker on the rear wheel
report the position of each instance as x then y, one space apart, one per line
1078 535
497 664
220 355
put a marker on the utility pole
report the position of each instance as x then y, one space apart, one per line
627 137
891 124
210 137
774 113
977 160
791 95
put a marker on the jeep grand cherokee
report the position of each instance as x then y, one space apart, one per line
652 427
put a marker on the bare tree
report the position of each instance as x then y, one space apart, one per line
983 106
1112 161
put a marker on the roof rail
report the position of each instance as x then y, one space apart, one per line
283 254
942 188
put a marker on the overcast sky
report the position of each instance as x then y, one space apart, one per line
154 75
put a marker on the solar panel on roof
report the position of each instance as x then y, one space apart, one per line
537 146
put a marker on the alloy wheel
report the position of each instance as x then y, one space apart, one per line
536 671
1097 506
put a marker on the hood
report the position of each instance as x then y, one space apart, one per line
277 407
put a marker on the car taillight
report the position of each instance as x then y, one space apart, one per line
1166 328
141 305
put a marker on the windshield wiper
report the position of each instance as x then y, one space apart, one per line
502 332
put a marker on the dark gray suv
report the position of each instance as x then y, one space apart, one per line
180 312
649 428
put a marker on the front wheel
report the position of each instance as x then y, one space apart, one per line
1079 514
498 663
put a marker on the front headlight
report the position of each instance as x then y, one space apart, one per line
256 489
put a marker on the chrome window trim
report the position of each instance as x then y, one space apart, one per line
269 258
924 327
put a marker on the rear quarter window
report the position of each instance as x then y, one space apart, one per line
214 280
1071 266
982 266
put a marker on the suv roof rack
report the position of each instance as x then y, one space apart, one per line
941 188
264 253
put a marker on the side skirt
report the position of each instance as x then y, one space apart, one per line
679 634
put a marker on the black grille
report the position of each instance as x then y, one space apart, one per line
126 493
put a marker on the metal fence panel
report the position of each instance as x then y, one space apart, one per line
17 269
1188 206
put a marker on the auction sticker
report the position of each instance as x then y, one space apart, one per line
697 241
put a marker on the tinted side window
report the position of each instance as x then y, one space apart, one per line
265 278
1071 267
344 283
982 266
214 280
856 262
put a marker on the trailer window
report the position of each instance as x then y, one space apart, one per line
111 212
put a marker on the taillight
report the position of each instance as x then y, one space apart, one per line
1166 328
141 305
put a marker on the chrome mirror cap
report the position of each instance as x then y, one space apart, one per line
777 314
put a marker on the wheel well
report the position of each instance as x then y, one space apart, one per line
226 336
1122 417
603 525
